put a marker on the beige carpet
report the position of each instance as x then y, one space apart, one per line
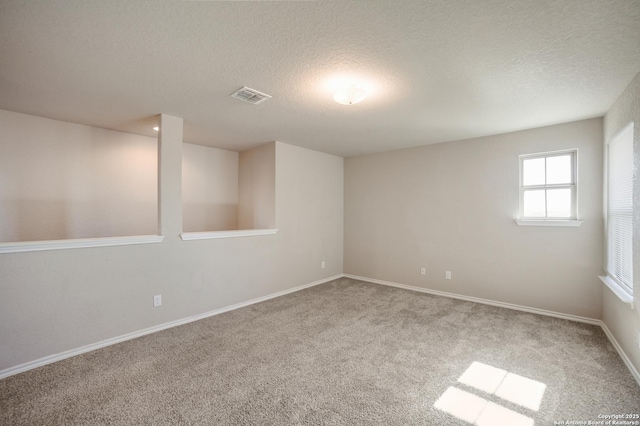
342 353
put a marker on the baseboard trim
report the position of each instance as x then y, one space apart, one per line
108 342
479 300
593 321
621 352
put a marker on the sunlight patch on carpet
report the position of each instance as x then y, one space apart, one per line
511 387
475 410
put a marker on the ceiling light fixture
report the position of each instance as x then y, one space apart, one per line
350 95
156 128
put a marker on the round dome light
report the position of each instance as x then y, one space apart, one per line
350 95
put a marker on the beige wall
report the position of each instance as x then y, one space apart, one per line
61 180
53 301
444 207
624 322
314 231
209 189
256 188
452 206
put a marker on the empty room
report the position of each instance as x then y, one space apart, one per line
367 212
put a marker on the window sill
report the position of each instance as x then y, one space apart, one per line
533 222
622 294
78 243
188 236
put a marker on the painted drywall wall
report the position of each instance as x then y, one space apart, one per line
53 301
209 189
452 206
256 188
61 180
622 321
303 175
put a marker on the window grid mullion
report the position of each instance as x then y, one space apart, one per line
546 187
553 186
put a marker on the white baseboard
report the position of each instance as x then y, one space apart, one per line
623 355
607 332
92 347
479 300
88 348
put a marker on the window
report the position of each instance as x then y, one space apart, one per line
619 201
548 187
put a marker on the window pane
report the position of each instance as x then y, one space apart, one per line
559 202
620 247
533 171
534 203
559 169
620 209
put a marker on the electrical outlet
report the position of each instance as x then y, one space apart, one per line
423 271
447 275
322 265
157 300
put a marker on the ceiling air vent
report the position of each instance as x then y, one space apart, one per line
250 95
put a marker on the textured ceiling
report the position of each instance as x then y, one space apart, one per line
439 70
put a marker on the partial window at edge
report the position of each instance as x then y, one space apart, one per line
619 201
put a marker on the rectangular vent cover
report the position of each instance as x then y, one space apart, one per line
250 95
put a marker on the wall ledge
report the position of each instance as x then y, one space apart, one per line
188 236
533 222
617 290
27 246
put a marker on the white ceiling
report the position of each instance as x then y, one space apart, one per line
442 69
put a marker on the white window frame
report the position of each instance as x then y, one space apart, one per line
624 292
573 186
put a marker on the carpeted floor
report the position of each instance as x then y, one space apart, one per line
342 353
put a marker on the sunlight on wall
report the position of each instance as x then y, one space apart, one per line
474 409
